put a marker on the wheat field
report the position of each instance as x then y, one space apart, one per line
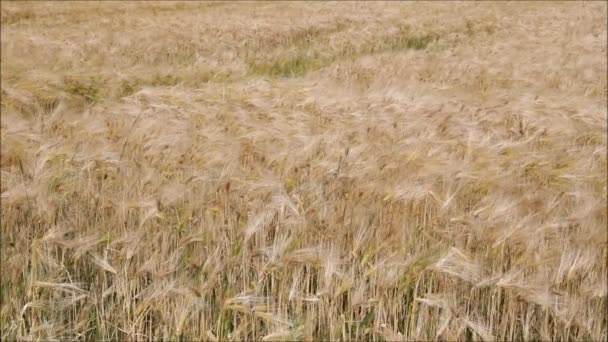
344 171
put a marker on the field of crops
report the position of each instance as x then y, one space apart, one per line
304 171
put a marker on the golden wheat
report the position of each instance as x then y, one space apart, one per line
304 171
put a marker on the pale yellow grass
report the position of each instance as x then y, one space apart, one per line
304 171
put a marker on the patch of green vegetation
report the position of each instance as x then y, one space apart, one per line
415 42
225 326
133 85
236 248
93 333
127 88
93 89
88 88
290 65
303 60
164 80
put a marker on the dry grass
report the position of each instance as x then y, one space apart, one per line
309 171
